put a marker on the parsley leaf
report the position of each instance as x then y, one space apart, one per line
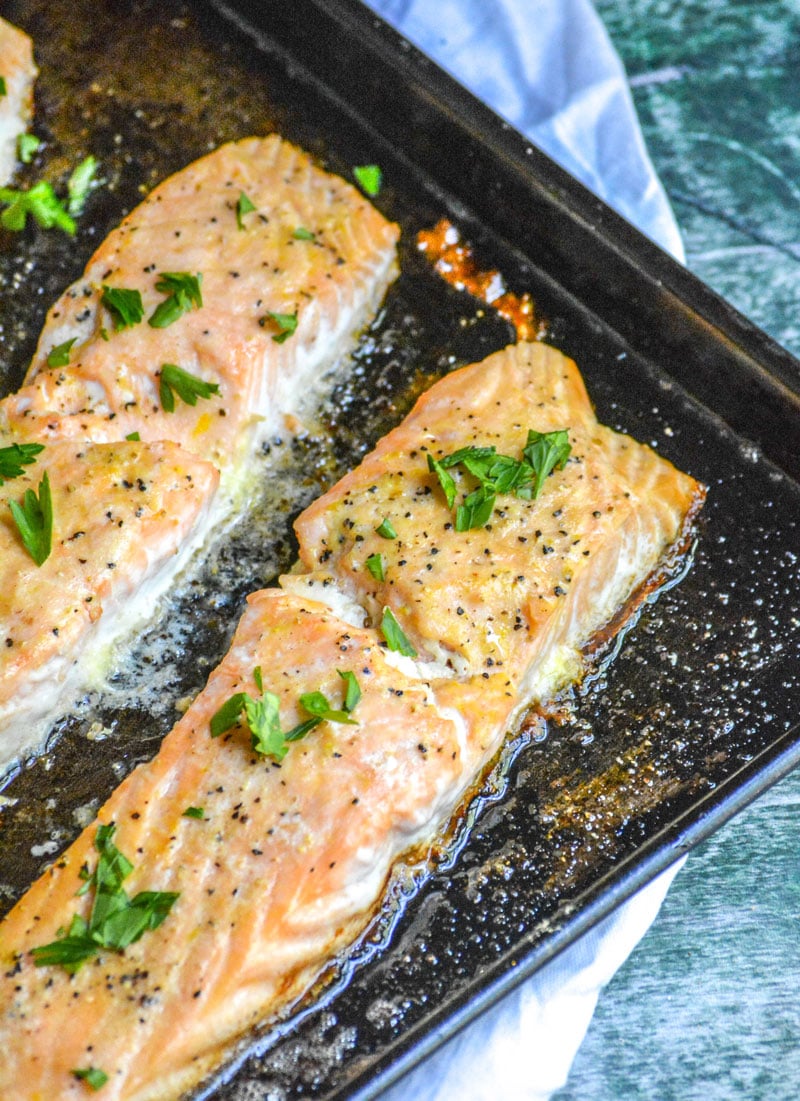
116 920
352 693
194 812
70 950
546 451
316 703
375 566
174 380
300 731
395 636
92 1076
15 456
243 206
128 921
445 479
386 529
125 306
227 715
3 87
286 322
262 716
58 356
476 509
303 234
27 145
543 452
81 182
133 437
264 720
369 178
183 294
40 202
34 520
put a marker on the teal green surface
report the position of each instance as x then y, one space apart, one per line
708 1006
717 88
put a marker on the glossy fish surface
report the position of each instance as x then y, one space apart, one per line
123 516
525 591
18 72
282 867
204 320
274 837
252 270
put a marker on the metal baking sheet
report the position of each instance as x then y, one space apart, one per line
697 712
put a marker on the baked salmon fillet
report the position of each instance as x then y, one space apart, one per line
260 839
252 270
282 867
525 591
204 319
18 72
123 516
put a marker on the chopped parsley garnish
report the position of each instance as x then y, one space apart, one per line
262 716
546 451
543 452
303 234
352 691
194 812
81 182
3 88
286 322
125 306
134 437
116 920
395 636
375 566
476 509
27 145
183 294
92 1076
369 178
59 355
34 520
15 456
174 380
40 202
386 529
243 206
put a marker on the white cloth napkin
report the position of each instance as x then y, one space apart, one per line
549 68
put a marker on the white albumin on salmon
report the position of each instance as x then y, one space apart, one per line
525 593
290 858
124 516
312 249
18 72
273 240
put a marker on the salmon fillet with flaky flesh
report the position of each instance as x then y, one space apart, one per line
123 519
18 72
311 250
279 873
290 858
312 253
525 593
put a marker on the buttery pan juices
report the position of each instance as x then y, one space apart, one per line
199 324
357 708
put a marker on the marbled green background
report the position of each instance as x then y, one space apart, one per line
708 1007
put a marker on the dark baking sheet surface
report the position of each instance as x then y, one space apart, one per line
697 712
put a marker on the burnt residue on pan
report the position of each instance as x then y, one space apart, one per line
704 680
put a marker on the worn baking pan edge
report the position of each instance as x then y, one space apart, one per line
582 913
661 309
